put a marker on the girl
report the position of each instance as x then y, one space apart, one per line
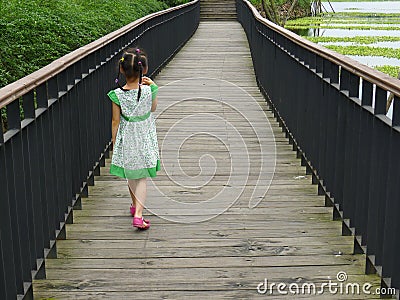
135 152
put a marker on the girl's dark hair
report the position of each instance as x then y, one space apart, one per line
132 62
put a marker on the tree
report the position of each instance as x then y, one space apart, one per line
274 14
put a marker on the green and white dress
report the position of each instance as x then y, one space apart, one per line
135 153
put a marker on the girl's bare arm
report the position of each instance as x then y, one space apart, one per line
148 81
116 112
154 105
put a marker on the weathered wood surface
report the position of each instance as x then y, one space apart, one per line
286 235
217 10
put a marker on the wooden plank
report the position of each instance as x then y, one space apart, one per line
177 242
207 262
188 274
68 253
200 284
235 293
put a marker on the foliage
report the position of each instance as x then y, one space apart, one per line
33 33
279 11
301 3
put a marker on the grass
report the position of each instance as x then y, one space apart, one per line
33 33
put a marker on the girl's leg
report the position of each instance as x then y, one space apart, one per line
132 187
139 189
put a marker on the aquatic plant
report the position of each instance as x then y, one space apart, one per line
390 70
365 51
355 39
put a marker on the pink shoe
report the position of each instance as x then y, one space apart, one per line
140 223
133 210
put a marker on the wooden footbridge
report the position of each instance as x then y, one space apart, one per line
278 181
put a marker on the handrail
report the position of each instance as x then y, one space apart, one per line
374 76
20 87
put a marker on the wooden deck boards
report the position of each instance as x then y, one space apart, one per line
216 136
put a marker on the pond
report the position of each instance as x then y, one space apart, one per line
378 20
393 45
392 7
336 32
368 32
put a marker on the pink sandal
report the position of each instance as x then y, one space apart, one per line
133 210
140 223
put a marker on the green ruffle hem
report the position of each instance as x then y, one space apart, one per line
135 174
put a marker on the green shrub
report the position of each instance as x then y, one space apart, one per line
33 33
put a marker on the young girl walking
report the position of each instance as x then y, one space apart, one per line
135 148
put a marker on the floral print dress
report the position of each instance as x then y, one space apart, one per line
135 153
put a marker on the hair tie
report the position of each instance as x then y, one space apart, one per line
122 59
137 50
139 63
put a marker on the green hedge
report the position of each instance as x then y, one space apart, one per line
33 33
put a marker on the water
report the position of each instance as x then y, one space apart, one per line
373 61
393 45
370 25
347 32
392 7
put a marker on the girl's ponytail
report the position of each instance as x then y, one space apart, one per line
140 80
139 62
119 72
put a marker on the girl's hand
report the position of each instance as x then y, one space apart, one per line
147 80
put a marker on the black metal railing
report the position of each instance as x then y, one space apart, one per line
57 136
333 110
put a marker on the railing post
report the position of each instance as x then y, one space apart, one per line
9 258
380 101
367 92
396 112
